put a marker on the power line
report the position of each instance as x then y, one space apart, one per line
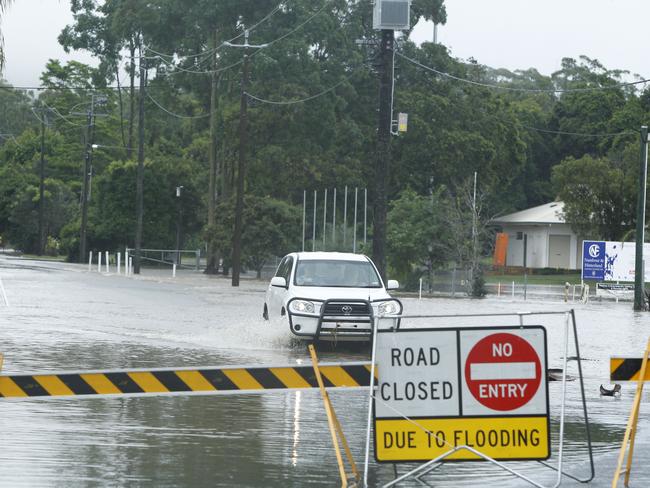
561 132
205 72
309 19
196 72
577 134
514 89
210 51
291 102
173 114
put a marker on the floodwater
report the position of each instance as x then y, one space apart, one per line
63 317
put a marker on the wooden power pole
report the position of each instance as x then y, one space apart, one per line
211 258
241 170
139 186
383 150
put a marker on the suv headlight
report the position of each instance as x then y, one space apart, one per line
390 307
301 306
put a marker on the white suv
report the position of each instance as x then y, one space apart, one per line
330 295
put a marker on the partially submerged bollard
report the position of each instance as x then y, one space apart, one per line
566 291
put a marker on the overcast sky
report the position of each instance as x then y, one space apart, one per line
513 34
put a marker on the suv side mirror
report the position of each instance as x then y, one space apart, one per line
392 285
279 281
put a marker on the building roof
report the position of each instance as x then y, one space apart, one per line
549 213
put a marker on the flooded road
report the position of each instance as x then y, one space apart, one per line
62 317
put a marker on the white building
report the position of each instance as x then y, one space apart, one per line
551 243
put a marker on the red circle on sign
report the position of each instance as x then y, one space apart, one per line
503 371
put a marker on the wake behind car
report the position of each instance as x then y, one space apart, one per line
330 296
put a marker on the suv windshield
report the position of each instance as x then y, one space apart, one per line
330 272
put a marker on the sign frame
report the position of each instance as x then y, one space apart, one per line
459 369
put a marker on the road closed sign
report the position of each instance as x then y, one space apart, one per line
484 388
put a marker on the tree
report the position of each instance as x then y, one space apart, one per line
417 233
599 195
271 228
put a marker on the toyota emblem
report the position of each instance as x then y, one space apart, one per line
346 309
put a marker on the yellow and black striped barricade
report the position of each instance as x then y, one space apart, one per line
182 381
626 369
630 369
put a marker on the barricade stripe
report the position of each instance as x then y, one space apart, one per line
195 381
267 379
290 377
171 380
243 379
157 381
8 388
360 374
148 382
625 369
100 383
217 379
338 376
124 383
30 386
53 385
77 384
307 373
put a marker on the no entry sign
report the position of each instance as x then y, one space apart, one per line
483 387
503 371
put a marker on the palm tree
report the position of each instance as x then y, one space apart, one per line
3 5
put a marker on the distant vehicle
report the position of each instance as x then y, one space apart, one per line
330 296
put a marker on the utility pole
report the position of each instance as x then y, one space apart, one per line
383 149
211 258
85 195
639 271
139 187
41 188
241 170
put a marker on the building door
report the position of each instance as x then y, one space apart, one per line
559 251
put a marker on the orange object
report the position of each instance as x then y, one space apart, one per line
500 249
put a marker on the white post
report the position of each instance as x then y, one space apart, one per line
420 295
107 268
99 261
499 289
513 289
365 215
345 216
119 262
4 294
304 214
324 218
174 270
90 260
354 239
313 233
130 266
334 218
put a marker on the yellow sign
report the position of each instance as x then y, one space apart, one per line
503 438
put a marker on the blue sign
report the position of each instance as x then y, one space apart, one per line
593 260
